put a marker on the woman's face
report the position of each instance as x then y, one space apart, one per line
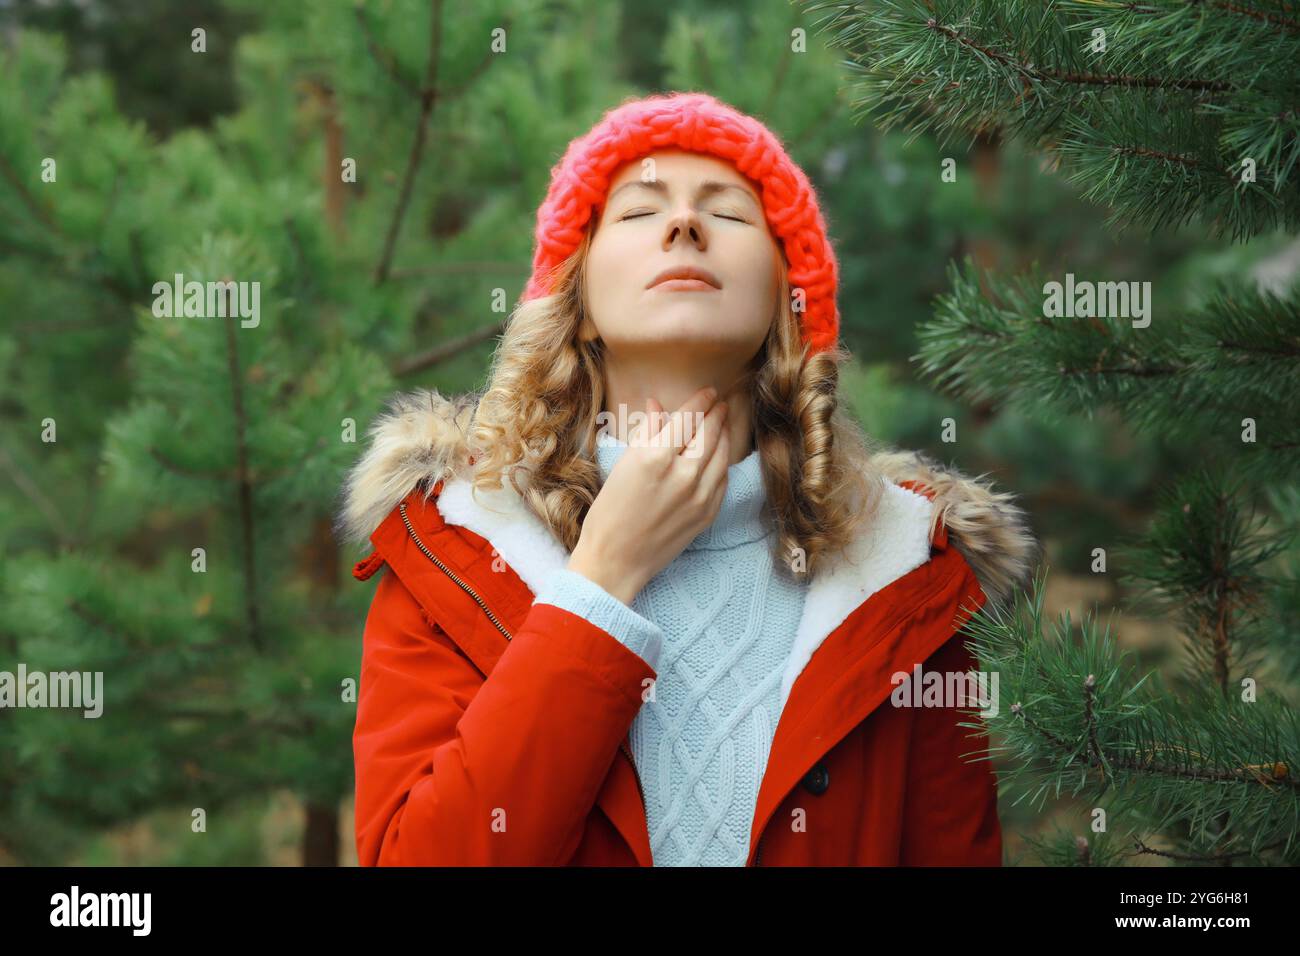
671 209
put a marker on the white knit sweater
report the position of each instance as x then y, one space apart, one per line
717 626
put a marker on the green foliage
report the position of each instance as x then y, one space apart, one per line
176 433
1080 722
1156 107
1198 375
1150 110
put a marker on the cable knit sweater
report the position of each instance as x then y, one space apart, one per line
717 625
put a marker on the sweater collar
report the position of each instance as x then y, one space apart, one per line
741 517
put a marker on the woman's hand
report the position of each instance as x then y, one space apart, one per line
664 490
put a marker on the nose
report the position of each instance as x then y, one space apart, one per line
686 222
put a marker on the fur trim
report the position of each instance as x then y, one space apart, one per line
897 541
421 437
991 532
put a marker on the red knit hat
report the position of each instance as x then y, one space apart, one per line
700 123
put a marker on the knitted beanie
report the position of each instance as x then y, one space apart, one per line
700 123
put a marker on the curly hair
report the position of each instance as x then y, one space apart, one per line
535 423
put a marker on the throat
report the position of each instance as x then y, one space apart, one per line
742 516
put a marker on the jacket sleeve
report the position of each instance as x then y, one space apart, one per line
950 815
453 769
584 597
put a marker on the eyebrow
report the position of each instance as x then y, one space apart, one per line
707 188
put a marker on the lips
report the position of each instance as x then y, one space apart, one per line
685 272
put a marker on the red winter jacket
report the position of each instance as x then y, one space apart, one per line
492 731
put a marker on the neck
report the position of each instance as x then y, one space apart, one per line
741 517
628 383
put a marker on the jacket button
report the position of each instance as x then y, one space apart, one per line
817 780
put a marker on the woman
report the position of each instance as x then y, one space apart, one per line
648 592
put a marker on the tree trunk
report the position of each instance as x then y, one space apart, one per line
320 839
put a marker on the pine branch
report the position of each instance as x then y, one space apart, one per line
448 349
176 468
384 59
1237 9
1143 849
119 636
1039 75
1149 763
779 74
237 475
23 482
244 489
1083 718
1154 108
1203 558
43 215
488 58
57 264
454 268
428 96
1197 375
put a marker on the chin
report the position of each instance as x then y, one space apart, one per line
684 324
697 335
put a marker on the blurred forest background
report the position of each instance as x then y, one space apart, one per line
226 690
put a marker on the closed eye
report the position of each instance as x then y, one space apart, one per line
641 215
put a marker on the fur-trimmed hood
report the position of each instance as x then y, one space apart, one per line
421 435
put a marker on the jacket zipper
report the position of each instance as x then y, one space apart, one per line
635 773
493 618
451 574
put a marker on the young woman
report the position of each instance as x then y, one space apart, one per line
649 590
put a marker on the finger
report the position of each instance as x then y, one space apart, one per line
701 447
715 472
654 415
685 421
636 435
655 420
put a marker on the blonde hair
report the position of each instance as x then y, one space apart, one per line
535 423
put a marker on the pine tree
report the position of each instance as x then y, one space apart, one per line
172 434
1172 114
130 439
175 474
